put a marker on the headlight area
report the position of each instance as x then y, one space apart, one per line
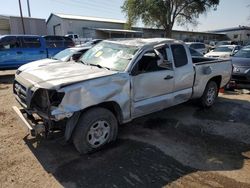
43 99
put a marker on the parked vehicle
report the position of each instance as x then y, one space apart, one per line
92 42
16 50
220 43
224 51
198 46
77 39
241 69
117 81
64 56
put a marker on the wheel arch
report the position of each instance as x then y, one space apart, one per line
112 106
217 80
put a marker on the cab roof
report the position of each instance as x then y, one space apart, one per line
142 41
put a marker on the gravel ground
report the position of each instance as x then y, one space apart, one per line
183 146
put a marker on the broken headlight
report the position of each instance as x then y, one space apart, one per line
43 99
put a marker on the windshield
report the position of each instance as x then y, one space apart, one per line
244 52
64 55
223 49
110 55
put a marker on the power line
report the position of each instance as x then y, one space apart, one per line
86 5
96 4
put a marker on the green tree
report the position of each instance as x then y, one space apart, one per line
165 13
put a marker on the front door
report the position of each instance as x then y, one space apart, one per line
152 85
9 52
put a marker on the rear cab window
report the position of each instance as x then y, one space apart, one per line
179 55
31 42
58 42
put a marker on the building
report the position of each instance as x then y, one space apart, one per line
13 25
187 36
240 34
92 27
88 27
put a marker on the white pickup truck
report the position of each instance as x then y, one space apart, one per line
115 82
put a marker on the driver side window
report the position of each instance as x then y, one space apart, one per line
149 62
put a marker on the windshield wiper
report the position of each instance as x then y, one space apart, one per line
99 66
81 61
95 65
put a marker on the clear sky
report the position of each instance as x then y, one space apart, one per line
230 13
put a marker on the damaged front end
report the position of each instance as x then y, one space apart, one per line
37 107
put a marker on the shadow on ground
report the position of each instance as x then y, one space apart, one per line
151 151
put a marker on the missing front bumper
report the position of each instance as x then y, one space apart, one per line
28 123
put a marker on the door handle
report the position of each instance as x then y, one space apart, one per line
168 77
19 52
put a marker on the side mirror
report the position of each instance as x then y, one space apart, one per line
162 62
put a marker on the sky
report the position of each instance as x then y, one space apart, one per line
229 13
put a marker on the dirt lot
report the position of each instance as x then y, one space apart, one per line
183 146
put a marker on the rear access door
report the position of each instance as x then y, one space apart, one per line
184 73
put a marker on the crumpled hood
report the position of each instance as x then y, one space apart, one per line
39 63
56 75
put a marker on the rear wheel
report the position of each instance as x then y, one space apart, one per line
95 128
210 94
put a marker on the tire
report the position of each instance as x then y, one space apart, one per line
95 128
210 94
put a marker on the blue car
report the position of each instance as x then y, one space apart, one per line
16 50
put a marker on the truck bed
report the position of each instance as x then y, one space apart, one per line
207 68
198 60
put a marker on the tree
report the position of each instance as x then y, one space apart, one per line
165 13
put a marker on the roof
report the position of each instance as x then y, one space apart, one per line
230 46
194 43
11 16
18 35
182 31
118 30
78 17
141 41
79 48
240 28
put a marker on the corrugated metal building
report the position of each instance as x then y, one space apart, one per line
91 27
239 34
13 25
87 27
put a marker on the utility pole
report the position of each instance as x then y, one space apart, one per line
28 5
21 13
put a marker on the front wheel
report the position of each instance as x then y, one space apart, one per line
210 94
95 128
